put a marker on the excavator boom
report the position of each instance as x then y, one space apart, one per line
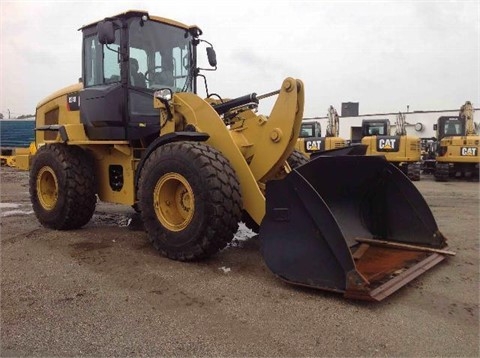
400 122
333 127
466 111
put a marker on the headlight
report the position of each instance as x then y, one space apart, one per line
163 94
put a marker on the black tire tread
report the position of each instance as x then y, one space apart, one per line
224 201
76 186
297 158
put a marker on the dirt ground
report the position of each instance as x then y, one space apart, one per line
104 291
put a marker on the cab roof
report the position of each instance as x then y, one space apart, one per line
137 13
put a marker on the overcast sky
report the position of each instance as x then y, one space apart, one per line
383 54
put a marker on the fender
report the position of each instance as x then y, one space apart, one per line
168 138
57 128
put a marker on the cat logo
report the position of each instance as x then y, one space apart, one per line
388 144
313 145
469 151
73 101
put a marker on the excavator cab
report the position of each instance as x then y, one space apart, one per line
311 142
448 126
371 127
376 134
401 149
310 129
310 139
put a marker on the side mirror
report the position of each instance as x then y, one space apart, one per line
212 57
106 32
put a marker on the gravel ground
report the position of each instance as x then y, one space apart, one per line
104 291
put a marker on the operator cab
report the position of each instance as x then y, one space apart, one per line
310 129
450 126
375 127
126 60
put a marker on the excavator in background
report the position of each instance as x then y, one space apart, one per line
458 146
402 150
311 140
193 166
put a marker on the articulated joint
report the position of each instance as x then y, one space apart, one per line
288 85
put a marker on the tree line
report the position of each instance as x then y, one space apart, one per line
22 116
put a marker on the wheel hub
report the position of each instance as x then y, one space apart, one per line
47 188
174 201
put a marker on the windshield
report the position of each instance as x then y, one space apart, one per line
307 130
160 56
451 126
376 128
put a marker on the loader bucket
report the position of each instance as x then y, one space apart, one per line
355 149
351 224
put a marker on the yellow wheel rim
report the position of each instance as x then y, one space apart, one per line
174 201
47 188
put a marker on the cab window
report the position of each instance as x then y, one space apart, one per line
101 65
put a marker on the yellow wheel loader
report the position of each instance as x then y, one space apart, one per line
458 146
402 150
193 167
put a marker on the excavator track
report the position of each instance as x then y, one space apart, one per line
441 172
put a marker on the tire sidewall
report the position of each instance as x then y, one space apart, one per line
216 193
202 211
46 158
76 199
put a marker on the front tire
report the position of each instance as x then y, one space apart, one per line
189 200
62 187
297 158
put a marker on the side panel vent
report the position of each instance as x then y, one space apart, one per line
51 117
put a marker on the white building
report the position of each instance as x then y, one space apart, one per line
418 123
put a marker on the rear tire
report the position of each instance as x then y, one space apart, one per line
189 200
62 187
